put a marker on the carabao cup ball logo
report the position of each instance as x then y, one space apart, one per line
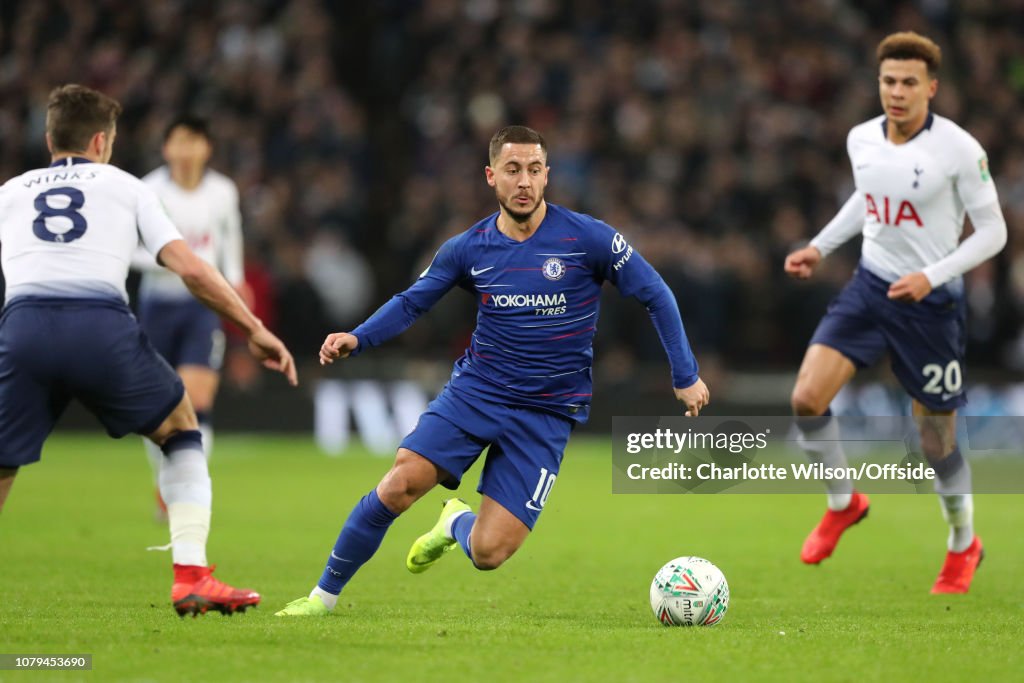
553 269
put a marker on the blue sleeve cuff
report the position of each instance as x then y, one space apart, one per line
685 382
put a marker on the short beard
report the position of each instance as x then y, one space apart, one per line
521 216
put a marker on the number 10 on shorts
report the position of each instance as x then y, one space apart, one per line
543 490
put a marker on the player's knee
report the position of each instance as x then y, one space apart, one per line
399 489
395 492
407 481
181 419
489 560
488 556
202 400
805 401
932 451
169 429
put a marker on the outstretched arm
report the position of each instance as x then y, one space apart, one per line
163 240
848 223
402 310
615 260
209 286
687 385
389 321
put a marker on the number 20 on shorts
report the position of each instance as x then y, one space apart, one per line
947 381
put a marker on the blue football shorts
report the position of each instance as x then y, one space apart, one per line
53 350
926 340
525 448
183 331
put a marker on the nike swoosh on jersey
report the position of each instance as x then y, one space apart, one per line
531 506
474 272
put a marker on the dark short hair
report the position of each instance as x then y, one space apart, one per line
192 123
75 113
517 135
910 45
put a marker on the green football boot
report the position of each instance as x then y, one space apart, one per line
429 547
304 607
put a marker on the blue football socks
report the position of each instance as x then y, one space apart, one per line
358 541
461 527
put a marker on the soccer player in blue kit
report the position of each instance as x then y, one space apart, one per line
536 272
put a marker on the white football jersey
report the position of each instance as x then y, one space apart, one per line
915 193
211 223
71 230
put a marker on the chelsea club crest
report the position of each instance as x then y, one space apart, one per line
553 269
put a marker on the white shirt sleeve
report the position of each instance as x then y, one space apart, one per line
973 179
846 224
988 239
3 202
143 261
155 226
232 245
977 192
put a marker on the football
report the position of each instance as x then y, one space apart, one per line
689 591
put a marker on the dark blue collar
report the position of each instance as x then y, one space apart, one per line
927 126
67 161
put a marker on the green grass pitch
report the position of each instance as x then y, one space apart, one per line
571 605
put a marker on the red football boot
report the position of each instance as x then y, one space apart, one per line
959 568
195 591
822 541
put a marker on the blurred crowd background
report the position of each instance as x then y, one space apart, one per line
710 132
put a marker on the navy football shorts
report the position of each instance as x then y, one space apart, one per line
183 331
926 341
524 455
53 350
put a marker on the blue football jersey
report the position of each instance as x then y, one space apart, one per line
537 309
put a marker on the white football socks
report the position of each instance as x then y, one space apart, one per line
156 459
206 429
156 454
823 445
187 491
957 501
958 511
329 599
